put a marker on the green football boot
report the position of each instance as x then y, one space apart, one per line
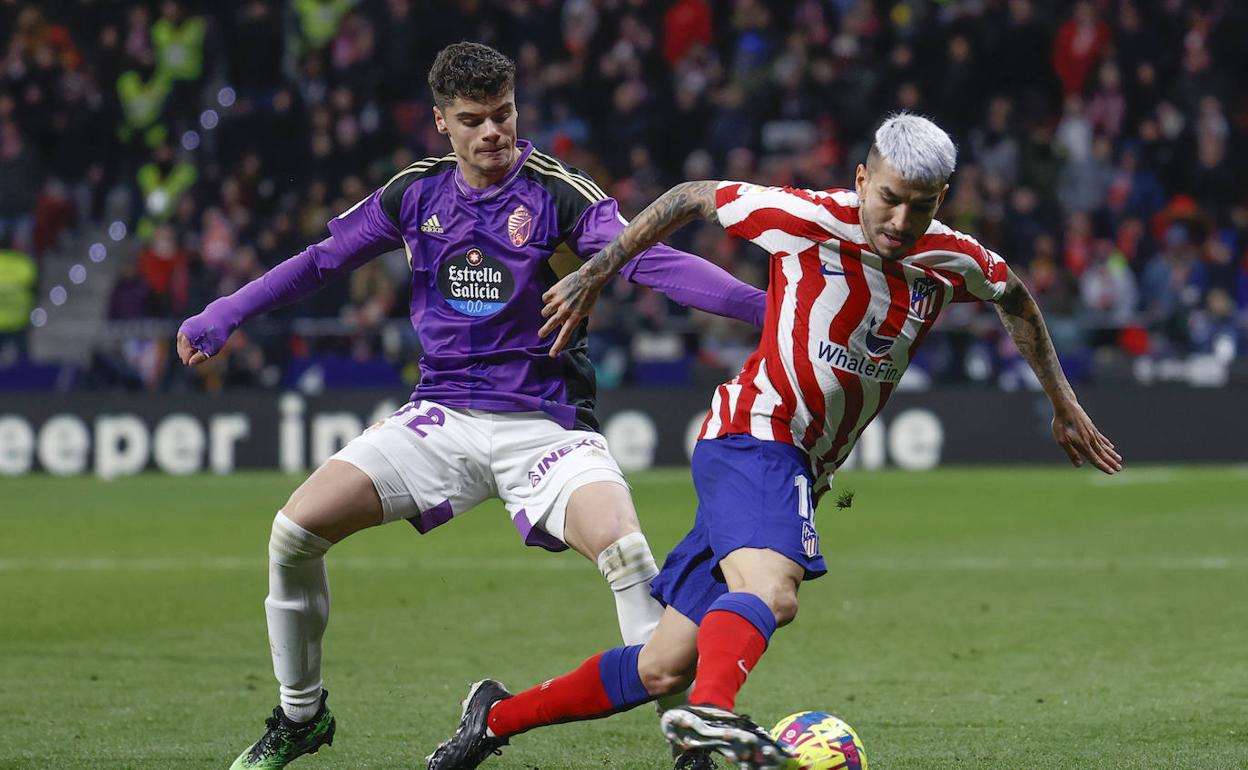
284 740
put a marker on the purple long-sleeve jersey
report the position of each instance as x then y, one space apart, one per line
481 260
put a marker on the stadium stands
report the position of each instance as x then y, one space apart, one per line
155 155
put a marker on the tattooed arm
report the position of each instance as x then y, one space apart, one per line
568 302
1072 428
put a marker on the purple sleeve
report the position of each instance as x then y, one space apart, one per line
686 278
358 235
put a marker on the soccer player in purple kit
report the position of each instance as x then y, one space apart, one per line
487 229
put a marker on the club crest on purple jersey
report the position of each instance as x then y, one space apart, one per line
924 296
520 226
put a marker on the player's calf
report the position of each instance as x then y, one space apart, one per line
629 566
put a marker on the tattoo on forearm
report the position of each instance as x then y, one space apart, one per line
673 209
1022 319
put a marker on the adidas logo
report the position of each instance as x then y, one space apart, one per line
432 225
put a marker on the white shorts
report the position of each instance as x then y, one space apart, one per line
431 463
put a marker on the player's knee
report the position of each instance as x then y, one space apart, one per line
783 604
337 500
597 516
291 544
627 562
660 680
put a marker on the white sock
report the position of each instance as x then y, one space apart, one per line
297 609
628 566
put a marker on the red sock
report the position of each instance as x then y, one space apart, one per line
577 694
728 647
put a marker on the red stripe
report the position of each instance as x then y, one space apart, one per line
899 298
770 348
809 287
960 294
886 390
993 268
847 214
842 327
768 218
851 388
727 194
771 322
748 394
855 307
725 410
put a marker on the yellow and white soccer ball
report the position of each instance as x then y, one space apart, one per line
820 742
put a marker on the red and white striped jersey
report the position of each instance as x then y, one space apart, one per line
842 324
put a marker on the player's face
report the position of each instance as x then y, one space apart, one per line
894 213
482 134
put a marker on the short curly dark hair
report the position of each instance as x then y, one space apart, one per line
471 70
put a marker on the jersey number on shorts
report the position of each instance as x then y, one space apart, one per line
806 510
804 507
434 416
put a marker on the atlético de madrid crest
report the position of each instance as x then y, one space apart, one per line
924 293
520 226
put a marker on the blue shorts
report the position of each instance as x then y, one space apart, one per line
751 494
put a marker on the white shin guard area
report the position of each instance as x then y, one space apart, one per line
297 609
628 566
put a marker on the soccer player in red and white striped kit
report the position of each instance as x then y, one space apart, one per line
858 278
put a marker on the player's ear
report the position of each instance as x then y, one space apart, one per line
860 178
439 121
941 198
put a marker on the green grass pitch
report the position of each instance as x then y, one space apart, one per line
972 618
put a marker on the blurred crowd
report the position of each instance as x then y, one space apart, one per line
1101 145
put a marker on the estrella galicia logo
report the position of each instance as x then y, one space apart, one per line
475 284
877 345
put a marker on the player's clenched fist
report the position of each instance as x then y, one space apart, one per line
189 355
200 338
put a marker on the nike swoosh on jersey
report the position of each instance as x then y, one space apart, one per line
824 269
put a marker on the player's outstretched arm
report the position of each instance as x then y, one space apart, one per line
202 336
568 302
1072 428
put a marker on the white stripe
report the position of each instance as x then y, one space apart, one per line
764 405
801 418
714 424
870 400
773 197
734 392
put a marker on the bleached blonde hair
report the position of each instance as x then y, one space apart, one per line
920 150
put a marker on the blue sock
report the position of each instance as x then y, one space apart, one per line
749 607
618 670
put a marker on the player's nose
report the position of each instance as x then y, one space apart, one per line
900 221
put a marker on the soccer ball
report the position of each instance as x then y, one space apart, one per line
820 742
